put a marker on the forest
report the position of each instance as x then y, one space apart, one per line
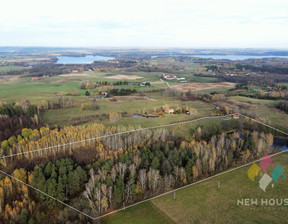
101 174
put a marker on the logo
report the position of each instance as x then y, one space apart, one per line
266 179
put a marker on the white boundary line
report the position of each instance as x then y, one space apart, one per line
166 83
189 185
264 124
149 199
169 192
115 134
22 182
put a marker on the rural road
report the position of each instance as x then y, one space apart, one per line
166 83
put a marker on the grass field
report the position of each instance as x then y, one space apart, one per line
203 79
11 68
63 116
35 91
266 109
146 213
206 202
50 87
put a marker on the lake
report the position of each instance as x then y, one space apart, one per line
146 116
234 57
88 59
280 143
228 57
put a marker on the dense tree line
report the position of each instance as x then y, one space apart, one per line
16 116
16 201
25 108
120 83
264 68
12 126
121 92
145 172
62 179
264 80
283 105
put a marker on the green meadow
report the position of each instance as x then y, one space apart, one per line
264 108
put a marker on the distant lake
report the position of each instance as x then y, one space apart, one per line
88 59
234 57
229 57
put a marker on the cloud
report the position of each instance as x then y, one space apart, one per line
163 23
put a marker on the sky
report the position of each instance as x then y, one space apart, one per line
146 23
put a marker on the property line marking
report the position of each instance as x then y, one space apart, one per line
264 124
174 190
166 83
149 199
111 135
36 189
189 185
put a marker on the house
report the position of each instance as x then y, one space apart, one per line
103 93
168 77
145 83
235 116
169 110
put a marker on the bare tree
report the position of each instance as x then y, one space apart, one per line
132 169
121 169
142 177
154 179
128 189
113 173
136 160
97 196
110 193
103 174
176 173
104 189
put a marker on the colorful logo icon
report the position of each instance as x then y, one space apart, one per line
265 179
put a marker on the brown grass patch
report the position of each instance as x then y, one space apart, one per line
128 98
202 86
6 78
124 77
74 74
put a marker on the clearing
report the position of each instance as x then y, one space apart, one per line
74 74
200 86
124 77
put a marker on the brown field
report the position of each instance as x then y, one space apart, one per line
201 86
128 98
5 78
74 74
125 77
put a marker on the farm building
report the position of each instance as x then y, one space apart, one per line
169 110
235 116
145 83
168 77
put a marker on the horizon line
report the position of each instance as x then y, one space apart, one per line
142 47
